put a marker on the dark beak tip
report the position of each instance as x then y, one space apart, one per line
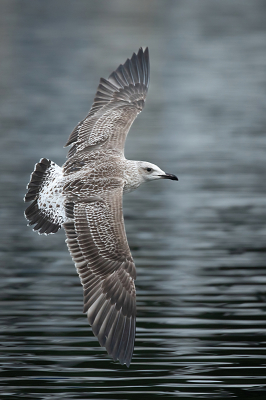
170 176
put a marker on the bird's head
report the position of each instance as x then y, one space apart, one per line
150 172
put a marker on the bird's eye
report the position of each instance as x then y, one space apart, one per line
148 169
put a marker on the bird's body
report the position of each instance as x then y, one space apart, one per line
84 196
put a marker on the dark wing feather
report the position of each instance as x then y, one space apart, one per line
117 102
97 242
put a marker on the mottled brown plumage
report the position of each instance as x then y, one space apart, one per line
85 197
100 234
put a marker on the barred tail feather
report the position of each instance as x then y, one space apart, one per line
45 187
37 178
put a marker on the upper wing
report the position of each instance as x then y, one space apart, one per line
97 242
118 101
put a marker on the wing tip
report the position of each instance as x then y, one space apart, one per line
135 71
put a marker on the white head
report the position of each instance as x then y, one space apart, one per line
150 172
138 172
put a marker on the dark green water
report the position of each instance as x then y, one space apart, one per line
198 244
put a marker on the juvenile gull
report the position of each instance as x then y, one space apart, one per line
84 196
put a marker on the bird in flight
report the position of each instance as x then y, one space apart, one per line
84 196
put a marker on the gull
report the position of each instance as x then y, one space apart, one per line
85 195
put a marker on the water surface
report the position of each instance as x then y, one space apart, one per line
198 244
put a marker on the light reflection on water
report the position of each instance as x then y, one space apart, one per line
199 244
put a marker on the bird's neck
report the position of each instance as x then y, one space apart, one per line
131 175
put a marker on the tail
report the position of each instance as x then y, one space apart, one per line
45 189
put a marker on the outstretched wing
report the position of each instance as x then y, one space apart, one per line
98 245
118 101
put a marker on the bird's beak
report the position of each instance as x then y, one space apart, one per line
169 176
